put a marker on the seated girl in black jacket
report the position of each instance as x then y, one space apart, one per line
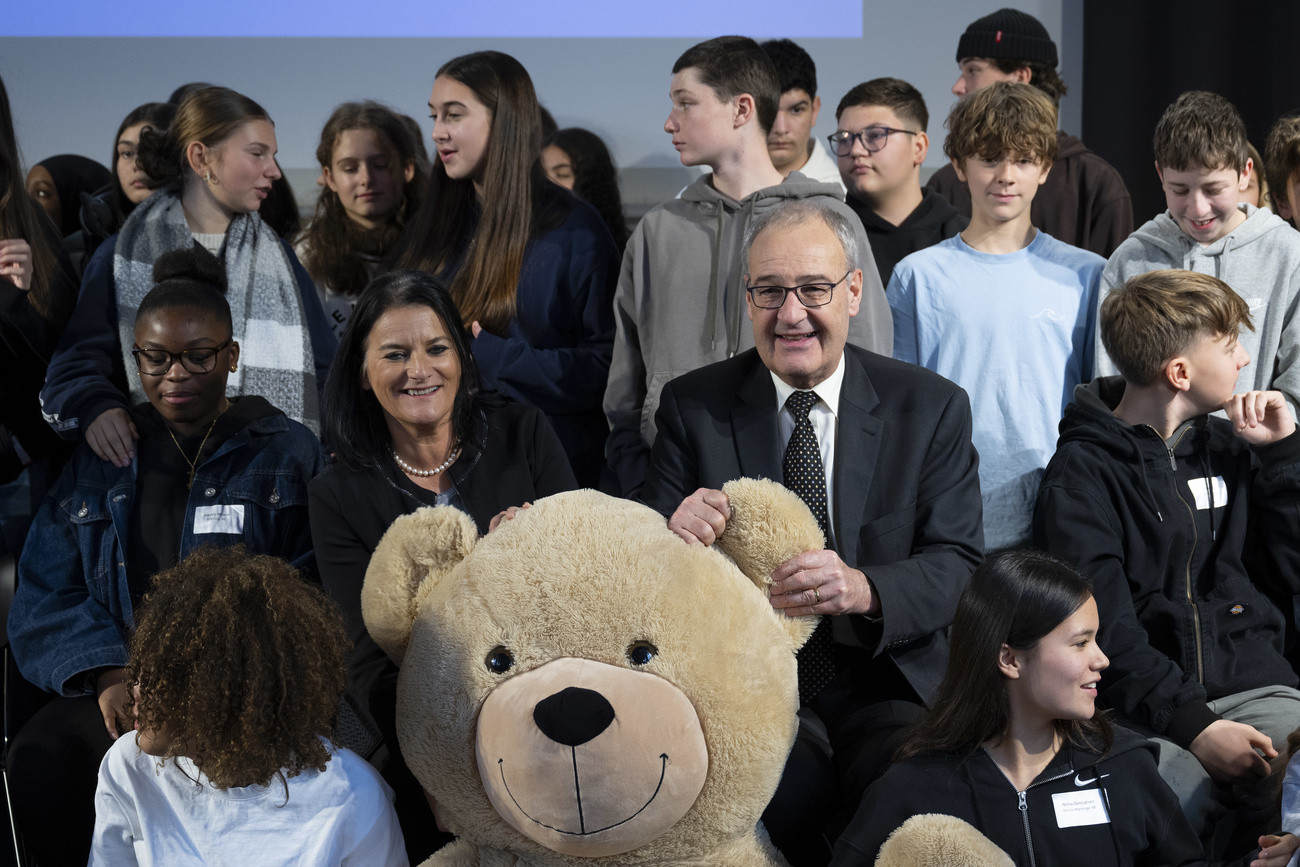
1014 746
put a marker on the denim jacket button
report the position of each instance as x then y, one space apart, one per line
210 492
83 512
275 496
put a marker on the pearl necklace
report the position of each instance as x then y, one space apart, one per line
407 468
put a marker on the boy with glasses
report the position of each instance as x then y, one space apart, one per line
881 144
1002 309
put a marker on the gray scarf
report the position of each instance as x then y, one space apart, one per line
265 304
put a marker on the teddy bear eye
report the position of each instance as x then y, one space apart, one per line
499 661
641 652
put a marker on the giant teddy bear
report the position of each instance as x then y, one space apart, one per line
581 687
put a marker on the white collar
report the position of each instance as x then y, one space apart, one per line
828 390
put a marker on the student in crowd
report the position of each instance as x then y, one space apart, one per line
1282 158
37 292
1186 524
1256 192
532 269
1003 309
56 183
236 670
881 143
372 185
207 470
411 427
1203 164
103 213
680 302
218 159
790 142
1015 745
578 160
1084 201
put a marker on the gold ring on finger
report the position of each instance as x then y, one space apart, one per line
818 595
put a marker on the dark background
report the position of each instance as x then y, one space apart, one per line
1139 55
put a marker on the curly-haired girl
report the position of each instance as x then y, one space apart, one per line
238 666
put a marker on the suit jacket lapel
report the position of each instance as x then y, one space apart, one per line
753 425
857 445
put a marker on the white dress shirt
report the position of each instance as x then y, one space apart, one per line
824 417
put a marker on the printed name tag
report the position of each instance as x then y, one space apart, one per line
219 519
1209 490
1080 808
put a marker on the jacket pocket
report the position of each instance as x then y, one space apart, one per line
888 538
92 524
274 512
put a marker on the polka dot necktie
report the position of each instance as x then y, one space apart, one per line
804 474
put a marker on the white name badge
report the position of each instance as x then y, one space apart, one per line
1207 491
219 519
1080 808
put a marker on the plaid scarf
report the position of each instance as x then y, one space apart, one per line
266 308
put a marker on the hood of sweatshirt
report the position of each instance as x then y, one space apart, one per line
1069 146
933 211
1240 247
731 232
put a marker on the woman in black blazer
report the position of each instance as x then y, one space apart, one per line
409 427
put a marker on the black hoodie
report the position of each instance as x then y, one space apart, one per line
1183 587
930 222
1127 814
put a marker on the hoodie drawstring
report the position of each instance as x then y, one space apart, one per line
712 329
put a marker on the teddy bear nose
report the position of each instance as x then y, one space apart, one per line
573 715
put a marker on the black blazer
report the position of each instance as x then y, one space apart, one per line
907 498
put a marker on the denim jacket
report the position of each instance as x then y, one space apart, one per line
72 608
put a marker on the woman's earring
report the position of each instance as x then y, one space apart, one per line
207 177
234 367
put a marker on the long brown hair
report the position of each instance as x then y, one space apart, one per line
21 217
1014 598
333 240
485 284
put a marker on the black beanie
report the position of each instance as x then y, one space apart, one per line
1008 34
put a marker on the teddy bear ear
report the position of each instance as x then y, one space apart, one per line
416 552
935 840
769 524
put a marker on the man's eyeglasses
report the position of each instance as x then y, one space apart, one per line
873 138
156 362
809 294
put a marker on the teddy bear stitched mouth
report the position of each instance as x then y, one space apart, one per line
583 832
571 717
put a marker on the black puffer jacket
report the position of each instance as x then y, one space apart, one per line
1125 813
1188 589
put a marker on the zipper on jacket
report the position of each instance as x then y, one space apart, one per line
1187 569
1024 818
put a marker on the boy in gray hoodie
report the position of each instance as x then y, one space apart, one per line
680 299
1202 162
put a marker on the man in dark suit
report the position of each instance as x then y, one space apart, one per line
887 447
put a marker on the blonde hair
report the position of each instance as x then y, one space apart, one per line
1157 315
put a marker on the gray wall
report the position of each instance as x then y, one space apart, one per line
69 94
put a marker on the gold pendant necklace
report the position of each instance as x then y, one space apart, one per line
194 464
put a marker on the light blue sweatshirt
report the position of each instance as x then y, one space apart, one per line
1015 331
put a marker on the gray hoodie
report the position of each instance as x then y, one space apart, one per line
1260 260
680 305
